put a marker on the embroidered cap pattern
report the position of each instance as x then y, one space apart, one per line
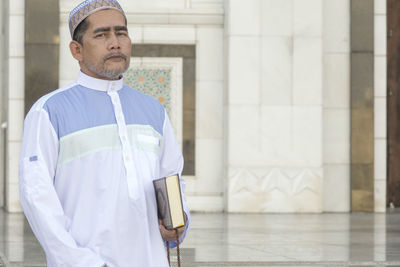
84 9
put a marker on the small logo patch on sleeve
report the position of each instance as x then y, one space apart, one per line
33 158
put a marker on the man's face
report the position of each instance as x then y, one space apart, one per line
106 45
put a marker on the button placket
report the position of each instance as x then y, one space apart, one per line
133 186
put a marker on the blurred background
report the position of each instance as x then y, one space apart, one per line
279 105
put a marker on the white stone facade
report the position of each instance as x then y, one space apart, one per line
192 22
336 106
274 106
14 83
380 105
272 98
3 95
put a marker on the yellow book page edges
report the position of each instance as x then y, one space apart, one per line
174 199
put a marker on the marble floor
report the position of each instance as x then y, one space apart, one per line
250 240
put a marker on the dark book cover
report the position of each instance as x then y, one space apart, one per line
169 201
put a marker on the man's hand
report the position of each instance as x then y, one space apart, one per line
171 235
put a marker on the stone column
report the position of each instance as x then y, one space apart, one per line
3 94
15 85
274 105
336 99
42 49
362 105
380 106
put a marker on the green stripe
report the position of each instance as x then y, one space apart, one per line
134 131
102 138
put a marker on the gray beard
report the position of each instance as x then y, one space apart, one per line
112 74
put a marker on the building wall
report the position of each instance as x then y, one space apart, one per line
3 96
263 171
272 98
336 102
275 105
15 101
257 180
380 129
362 105
194 22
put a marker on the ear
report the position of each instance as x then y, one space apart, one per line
76 50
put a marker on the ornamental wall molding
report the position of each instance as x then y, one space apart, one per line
288 181
275 189
198 12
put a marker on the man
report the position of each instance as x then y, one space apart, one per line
91 151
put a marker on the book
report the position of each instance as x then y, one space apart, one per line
169 201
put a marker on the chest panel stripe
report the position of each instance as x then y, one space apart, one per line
102 138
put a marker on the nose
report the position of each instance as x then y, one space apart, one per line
114 42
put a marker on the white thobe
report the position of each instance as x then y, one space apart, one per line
90 153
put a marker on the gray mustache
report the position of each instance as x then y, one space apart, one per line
119 54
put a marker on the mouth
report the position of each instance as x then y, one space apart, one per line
117 57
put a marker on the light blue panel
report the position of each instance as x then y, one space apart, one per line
79 108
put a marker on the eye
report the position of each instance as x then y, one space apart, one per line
122 33
100 35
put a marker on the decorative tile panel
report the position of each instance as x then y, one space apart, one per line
160 78
153 82
189 63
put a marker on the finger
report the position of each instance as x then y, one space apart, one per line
168 235
180 231
162 229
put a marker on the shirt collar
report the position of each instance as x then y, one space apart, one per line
99 84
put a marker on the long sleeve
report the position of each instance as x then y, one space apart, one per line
39 198
171 164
